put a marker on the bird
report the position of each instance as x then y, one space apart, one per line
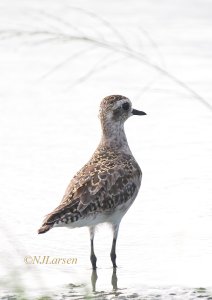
103 190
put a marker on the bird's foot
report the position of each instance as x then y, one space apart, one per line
93 261
113 259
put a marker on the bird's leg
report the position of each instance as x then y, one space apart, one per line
113 249
113 253
92 256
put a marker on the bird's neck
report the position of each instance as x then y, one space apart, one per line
113 136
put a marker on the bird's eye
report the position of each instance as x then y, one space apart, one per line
125 106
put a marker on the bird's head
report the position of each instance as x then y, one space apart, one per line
117 109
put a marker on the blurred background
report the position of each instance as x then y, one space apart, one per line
58 60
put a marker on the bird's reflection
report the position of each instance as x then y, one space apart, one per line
114 280
94 278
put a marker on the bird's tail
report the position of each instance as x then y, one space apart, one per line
44 228
49 220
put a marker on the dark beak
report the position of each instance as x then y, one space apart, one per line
138 112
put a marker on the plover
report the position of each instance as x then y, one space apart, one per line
105 188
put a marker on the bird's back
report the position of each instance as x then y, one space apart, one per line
109 181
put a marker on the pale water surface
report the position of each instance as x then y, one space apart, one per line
50 91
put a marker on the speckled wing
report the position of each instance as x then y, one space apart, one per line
96 188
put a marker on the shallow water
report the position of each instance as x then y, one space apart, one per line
49 129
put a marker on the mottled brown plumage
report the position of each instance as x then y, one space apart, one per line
104 189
